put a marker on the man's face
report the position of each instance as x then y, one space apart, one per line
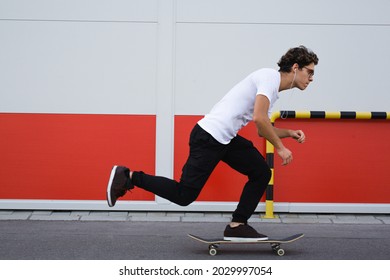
304 76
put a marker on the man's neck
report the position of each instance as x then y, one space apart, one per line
286 80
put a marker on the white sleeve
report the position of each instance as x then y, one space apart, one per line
267 84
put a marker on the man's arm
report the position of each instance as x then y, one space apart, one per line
296 134
266 130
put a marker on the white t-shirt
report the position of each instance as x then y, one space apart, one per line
235 109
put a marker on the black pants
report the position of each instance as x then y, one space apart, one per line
205 153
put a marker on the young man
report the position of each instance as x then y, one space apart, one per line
214 138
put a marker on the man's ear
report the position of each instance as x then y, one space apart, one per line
295 67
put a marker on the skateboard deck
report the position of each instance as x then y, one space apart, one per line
274 242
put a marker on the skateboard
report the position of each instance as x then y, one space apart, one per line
274 242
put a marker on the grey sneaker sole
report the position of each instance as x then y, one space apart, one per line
112 175
242 239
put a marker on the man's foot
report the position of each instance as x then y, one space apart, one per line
243 232
118 184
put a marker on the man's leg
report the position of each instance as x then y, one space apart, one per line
166 188
246 159
205 153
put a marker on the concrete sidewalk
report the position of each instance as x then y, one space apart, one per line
283 218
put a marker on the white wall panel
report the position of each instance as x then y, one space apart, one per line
77 67
284 11
81 10
351 73
219 42
211 58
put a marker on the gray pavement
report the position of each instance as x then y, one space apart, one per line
163 235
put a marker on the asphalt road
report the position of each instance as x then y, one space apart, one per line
102 240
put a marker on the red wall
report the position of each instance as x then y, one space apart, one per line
62 156
342 161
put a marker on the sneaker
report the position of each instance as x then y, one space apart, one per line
118 184
243 233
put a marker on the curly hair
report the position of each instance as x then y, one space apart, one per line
301 55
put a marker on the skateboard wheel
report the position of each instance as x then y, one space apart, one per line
280 252
212 251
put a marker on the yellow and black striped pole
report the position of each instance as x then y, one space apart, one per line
269 201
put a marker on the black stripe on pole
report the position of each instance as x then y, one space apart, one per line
287 114
270 159
378 115
270 193
317 114
347 115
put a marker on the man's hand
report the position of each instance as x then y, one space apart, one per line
285 154
298 135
